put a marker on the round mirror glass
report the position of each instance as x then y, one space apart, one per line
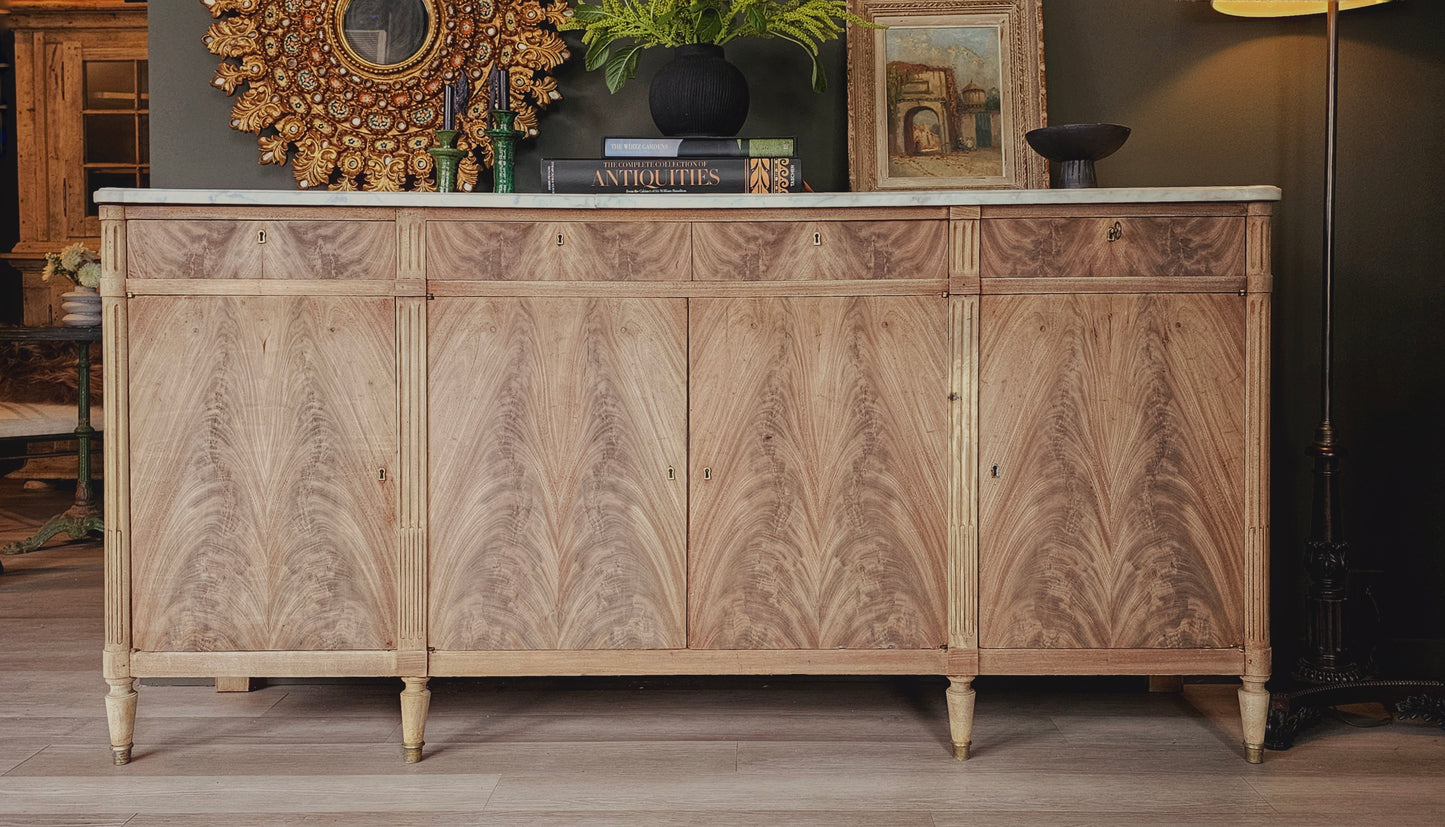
386 32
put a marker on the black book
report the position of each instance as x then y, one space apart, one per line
661 175
700 147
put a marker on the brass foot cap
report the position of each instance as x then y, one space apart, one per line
413 754
120 755
1253 754
960 751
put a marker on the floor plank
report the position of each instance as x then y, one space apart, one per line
1374 796
619 760
946 788
407 792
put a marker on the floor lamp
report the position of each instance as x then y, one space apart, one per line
1330 673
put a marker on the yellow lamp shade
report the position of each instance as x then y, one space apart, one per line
1285 8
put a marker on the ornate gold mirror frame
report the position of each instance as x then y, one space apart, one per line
347 122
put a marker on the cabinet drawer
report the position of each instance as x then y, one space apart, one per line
557 250
1119 246
780 250
261 249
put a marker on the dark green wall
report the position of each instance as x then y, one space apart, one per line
1213 100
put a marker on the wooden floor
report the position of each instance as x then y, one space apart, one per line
790 751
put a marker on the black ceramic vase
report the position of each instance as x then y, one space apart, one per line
699 93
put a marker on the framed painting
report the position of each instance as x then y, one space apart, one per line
941 96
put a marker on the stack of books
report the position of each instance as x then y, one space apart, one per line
702 164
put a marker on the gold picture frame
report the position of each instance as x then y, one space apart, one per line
345 116
941 97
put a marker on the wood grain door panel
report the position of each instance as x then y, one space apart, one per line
213 249
810 250
558 250
258 426
823 424
1112 457
193 250
330 250
553 423
1125 246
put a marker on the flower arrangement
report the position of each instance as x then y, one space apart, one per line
78 263
649 23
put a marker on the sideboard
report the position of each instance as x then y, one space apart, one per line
947 433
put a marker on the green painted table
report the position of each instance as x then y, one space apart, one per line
85 515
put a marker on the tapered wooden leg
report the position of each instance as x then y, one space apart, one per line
120 714
415 700
1253 712
960 714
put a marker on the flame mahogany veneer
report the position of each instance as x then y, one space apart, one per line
957 440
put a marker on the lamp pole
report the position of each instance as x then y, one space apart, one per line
1327 658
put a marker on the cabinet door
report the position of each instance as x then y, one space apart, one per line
819 459
259 426
1112 480
554 423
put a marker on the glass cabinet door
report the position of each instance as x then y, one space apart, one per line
115 134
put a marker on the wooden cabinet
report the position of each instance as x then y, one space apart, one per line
940 435
81 122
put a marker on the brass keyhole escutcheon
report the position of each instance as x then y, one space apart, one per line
1115 233
707 473
260 236
560 240
817 239
671 473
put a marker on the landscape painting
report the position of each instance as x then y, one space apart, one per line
940 95
943 101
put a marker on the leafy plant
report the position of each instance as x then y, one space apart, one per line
648 23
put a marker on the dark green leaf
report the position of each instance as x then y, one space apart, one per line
709 25
820 78
596 55
589 14
622 67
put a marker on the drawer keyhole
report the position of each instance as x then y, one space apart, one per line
707 473
817 239
260 236
560 240
1115 233
671 473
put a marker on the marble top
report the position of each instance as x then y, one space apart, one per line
812 200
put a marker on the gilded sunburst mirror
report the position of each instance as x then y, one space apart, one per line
351 92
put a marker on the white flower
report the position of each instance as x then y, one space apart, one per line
89 274
72 257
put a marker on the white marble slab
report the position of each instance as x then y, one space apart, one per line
936 198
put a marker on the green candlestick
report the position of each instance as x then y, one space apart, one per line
503 138
447 157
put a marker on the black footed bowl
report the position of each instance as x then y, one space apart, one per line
1077 141
1074 147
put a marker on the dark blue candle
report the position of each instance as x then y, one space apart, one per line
499 88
